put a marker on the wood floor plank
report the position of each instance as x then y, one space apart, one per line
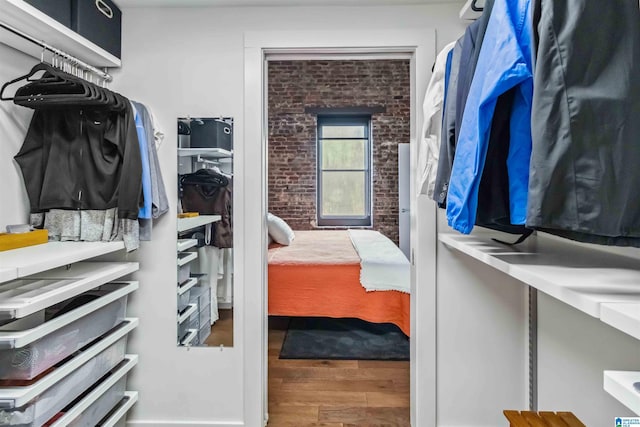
383 364
313 363
388 400
356 415
330 385
320 398
319 393
337 374
279 423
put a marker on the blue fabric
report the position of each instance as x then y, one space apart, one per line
145 210
447 75
505 62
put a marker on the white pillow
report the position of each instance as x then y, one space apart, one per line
279 230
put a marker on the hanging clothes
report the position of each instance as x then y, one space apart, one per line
504 63
447 135
145 209
470 45
159 200
210 193
82 159
428 147
585 171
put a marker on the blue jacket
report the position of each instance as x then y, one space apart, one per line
505 62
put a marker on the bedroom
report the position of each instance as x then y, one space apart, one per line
338 181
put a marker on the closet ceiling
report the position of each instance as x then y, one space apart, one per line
195 3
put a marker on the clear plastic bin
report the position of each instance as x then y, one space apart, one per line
101 407
204 333
184 273
28 362
183 328
183 300
42 408
204 317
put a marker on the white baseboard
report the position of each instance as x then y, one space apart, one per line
225 305
185 423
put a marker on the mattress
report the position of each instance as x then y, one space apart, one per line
319 275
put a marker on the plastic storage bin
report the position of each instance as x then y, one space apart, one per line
28 361
204 333
101 407
184 327
204 317
55 398
183 300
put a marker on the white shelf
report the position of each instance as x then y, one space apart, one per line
187 285
468 14
581 277
72 414
216 153
35 259
23 297
622 316
35 23
186 342
7 274
186 258
185 224
619 384
15 397
184 244
120 411
22 338
186 314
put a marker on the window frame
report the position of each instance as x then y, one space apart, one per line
345 120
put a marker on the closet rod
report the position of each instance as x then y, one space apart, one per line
103 75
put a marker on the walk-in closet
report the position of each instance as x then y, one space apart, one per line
304 213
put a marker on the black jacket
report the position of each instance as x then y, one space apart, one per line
585 164
76 158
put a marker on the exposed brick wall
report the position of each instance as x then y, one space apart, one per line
295 85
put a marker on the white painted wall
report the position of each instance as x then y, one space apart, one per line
14 121
190 62
574 350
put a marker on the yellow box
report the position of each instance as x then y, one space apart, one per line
20 240
188 215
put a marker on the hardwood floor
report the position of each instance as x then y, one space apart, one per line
222 330
334 393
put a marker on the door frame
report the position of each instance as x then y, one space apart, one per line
420 45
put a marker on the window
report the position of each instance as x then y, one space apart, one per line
344 171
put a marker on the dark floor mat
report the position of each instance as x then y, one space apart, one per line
343 339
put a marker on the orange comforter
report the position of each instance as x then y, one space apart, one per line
319 275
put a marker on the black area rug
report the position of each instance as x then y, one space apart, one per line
343 339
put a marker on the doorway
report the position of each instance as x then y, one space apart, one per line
336 129
419 45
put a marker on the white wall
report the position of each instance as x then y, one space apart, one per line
190 62
14 121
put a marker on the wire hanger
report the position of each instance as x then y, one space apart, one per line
474 6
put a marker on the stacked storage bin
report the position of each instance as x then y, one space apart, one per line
187 310
63 337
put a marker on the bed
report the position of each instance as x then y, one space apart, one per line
319 275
